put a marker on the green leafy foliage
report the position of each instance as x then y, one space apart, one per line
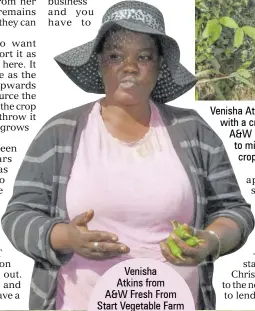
228 22
225 48
249 31
244 73
211 28
239 36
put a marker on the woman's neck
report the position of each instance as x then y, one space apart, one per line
119 113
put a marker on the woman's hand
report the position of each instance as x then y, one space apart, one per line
192 255
91 244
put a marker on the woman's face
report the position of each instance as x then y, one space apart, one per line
129 65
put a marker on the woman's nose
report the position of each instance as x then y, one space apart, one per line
130 65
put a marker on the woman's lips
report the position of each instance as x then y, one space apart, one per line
128 83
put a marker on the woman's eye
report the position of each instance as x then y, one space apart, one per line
115 57
145 57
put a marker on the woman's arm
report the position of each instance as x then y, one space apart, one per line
28 219
227 213
30 222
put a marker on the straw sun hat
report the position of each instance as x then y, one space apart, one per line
81 63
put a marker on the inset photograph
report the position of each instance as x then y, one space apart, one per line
225 49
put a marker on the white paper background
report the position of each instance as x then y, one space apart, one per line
56 92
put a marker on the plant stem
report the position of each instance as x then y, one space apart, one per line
215 79
232 75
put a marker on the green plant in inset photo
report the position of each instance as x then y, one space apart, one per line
225 49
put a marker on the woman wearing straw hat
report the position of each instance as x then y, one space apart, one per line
100 182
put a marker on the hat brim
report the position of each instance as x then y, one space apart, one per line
81 64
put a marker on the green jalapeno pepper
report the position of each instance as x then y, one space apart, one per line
174 248
193 241
180 231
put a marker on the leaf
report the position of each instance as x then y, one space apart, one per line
200 58
238 39
215 11
225 41
201 5
245 81
216 33
249 31
247 64
205 73
218 51
215 64
244 73
228 22
210 27
229 51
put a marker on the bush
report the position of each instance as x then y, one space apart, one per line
225 49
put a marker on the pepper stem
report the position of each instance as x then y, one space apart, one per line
180 256
173 224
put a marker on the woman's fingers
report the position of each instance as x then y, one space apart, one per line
168 255
102 250
193 249
84 218
99 236
185 259
104 247
185 248
93 244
